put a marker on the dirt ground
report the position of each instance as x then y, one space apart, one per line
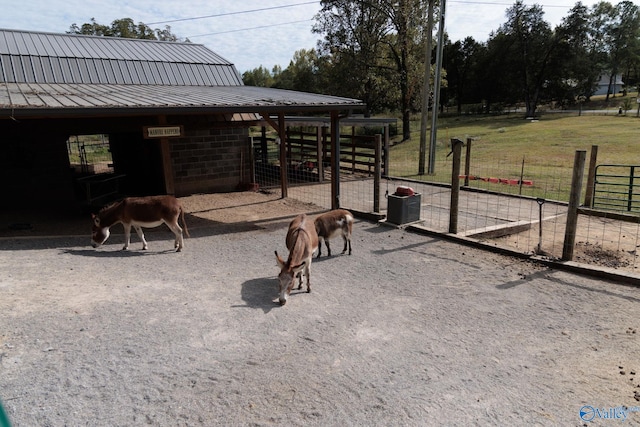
409 330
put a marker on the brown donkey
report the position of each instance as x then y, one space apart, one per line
332 223
139 212
302 241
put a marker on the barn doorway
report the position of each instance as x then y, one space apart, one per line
89 154
139 160
91 163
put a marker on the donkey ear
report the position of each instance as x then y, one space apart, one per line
279 260
299 267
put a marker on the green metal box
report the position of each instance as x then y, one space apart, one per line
403 209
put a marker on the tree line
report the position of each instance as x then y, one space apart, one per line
125 28
374 50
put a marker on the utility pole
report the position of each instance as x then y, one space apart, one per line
436 94
424 118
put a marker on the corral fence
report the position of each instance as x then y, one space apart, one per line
534 206
309 154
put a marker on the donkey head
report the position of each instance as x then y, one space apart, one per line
286 278
99 234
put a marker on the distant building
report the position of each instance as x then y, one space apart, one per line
603 85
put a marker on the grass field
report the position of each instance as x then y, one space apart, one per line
541 150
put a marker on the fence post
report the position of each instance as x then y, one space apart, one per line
386 151
264 149
632 173
319 153
456 149
335 160
467 163
591 177
377 175
572 209
252 162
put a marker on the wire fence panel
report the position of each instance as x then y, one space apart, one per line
511 202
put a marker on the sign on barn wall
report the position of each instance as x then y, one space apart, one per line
163 131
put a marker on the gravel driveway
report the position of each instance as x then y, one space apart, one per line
409 330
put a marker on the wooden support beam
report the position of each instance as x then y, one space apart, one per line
335 160
167 166
280 127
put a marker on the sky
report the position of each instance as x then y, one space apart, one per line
249 33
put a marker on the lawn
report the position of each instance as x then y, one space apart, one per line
541 150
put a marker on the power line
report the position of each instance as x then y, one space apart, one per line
470 2
252 28
232 13
495 3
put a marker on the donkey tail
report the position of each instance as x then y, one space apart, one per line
184 224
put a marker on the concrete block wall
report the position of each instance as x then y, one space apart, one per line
210 160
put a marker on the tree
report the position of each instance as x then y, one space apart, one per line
579 67
616 32
124 28
258 77
372 38
624 39
353 33
529 44
301 74
461 63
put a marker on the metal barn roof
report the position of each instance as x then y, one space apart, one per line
61 74
69 58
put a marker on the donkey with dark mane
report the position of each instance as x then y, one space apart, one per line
302 242
138 212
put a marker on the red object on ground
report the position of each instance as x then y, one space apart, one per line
404 191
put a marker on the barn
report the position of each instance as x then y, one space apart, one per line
176 115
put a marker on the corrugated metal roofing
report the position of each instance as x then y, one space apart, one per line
81 99
14 42
27 57
45 71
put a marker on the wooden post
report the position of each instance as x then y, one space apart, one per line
385 159
572 209
353 150
467 163
456 148
282 134
319 154
377 174
167 167
284 183
252 162
264 149
335 160
591 177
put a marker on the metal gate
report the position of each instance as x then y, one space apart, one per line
617 188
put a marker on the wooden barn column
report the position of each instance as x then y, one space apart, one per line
282 134
335 160
167 167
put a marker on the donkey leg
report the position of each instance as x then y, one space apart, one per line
307 272
344 249
141 235
127 236
178 243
